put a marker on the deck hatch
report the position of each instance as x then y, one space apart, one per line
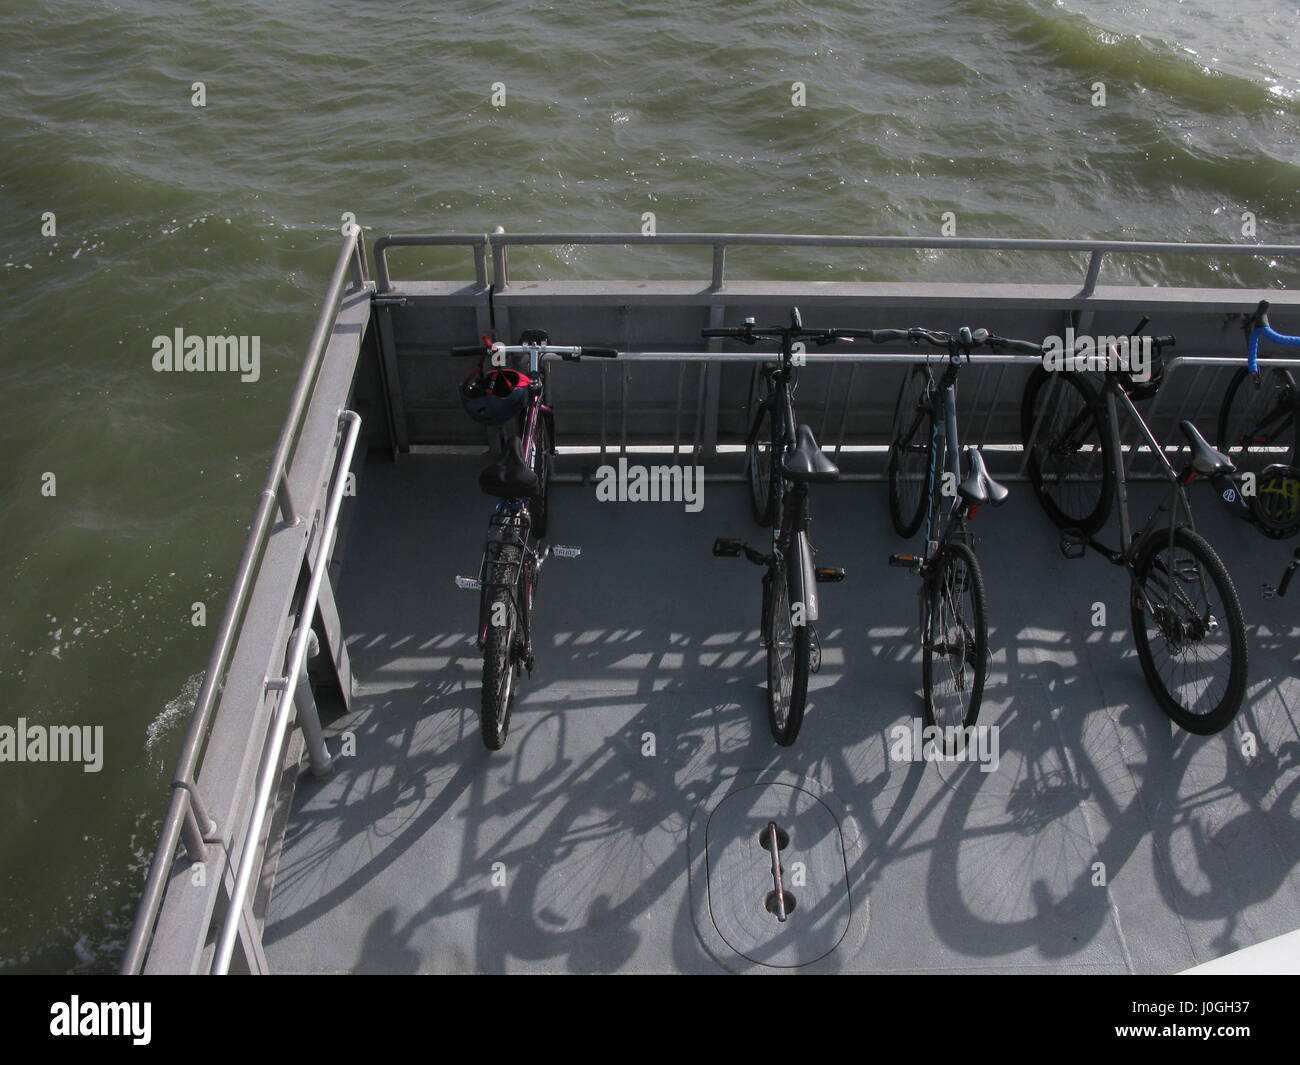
738 918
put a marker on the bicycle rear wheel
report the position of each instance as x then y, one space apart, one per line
1070 442
1189 633
759 450
787 659
955 649
909 454
500 659
1257 422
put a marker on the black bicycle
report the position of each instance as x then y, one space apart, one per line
1183 607
926 485
512 401
783 459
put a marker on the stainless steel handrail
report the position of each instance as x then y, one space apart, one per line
185 812
719 242
286 685
479 242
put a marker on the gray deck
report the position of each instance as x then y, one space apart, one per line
387 865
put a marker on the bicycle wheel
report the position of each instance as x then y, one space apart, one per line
759 451
500 660
955 649
909 454
1070 444
1257 421
539 506
787 659
1192 642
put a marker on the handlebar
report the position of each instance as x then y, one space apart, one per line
571 354
1256 327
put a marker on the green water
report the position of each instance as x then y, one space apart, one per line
224 219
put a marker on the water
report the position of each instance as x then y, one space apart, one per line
224 219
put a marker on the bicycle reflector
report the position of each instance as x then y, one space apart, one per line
1276 502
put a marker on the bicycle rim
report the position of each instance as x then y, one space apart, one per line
1257 424
955 652
1069 462
909 455
1189 633
787 663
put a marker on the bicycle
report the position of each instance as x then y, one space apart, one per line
1258 430
926 485
783 458
1066 424
513 402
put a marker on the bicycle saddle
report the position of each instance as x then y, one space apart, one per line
806 463
979 487
1205 459
509 476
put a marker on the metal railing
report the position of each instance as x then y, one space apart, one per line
499 241
186 814
287 685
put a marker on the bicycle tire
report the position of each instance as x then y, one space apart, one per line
1244 388
539 506
759 450
1220 715
1085 419
974 643
785 709
906 516
500 671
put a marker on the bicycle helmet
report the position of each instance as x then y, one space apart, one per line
1276 502
494 397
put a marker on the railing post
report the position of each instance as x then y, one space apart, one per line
719 265
308 716
500 267
1094 270
285 499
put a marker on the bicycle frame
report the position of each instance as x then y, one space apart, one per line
792 529
509 517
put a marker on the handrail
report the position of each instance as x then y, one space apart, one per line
1096 249
287 685
478 241
185 809
721 241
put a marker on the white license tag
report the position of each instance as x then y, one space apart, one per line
560 551
470 583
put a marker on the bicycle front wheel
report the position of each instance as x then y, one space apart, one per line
787 660
909 455
955 646
759 450
1190 637
1070 459
1257 422
539 507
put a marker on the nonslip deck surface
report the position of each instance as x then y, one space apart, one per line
1105 841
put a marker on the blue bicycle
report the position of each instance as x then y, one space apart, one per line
1258 430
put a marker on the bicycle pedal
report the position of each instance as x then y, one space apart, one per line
728 548
1074 543
469 583
830 575
1270 592
905 561
561 551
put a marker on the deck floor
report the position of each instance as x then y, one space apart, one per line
388 865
